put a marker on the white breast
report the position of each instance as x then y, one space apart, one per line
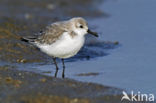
65 47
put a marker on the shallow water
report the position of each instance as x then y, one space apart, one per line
132 66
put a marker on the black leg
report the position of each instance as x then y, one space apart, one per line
63 75
54 59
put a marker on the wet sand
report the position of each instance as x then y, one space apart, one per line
27 87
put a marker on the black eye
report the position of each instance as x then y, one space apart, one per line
81 26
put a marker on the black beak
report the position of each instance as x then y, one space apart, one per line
93 33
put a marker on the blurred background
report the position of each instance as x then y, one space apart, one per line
123 56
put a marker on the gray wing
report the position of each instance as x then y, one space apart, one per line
51 33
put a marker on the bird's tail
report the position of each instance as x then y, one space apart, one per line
28 39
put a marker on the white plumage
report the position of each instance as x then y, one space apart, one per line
65 47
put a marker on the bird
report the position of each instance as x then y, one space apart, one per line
62 39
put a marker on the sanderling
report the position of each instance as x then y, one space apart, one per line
62 39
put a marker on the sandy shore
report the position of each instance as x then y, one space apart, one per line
26 87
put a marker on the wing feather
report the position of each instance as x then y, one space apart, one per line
51 33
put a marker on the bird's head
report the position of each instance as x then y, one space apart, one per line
80 26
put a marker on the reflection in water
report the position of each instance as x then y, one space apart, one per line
63 72
94 49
